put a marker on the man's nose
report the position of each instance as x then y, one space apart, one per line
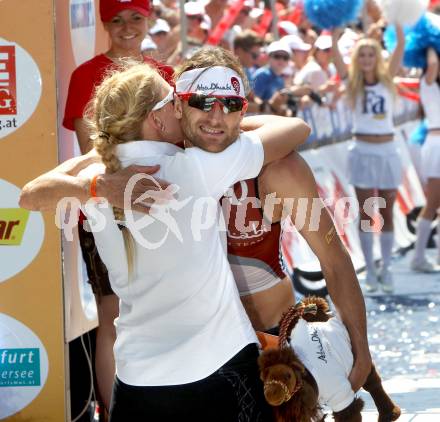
216 113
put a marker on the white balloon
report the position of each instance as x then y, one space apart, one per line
404 12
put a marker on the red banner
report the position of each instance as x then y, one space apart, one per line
225 23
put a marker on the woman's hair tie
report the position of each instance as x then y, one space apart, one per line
102 134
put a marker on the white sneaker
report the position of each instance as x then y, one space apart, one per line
386 281
424 266
371 282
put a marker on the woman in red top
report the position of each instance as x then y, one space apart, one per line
126 25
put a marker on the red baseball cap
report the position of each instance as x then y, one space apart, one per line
109 8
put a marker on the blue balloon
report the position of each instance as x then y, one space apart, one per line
328 14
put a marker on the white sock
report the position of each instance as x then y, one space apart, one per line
386 247
423 231
366 239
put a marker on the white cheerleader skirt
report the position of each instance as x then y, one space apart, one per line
431 157
374 165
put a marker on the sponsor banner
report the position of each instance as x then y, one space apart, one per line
20 87
82 29
21 233
12 224
24 366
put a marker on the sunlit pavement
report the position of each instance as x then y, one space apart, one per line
404 336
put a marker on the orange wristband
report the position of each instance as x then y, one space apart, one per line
93 186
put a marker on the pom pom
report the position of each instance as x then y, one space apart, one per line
425 34
404 12
328 14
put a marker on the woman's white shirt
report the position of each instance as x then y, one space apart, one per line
180 316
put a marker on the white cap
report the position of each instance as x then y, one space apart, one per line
148 44
288 27
216 80
296 43
347 41
194 8
323 42
161 25
206 23
279 46
256 12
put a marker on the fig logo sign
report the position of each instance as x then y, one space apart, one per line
12 225
82 29
8 85
20 87
23 366
21 233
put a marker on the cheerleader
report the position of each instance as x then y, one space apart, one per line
430 98
374 162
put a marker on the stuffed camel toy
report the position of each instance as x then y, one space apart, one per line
310 368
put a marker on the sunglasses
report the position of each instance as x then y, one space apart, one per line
195 17
230 104
284 57
168 99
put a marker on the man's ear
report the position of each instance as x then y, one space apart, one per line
178 108
156 122
244 109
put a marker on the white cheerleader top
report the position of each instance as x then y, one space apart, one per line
430 97
373 113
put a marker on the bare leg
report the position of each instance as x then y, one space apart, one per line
108 310
366 237
387 238
426 216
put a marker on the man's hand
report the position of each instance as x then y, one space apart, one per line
360 371
113 186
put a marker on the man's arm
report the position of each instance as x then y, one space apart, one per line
292 178
279 135
44 192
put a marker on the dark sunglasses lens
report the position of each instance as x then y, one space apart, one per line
233 104
281 57
206 104
199 101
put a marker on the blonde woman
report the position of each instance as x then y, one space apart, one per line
374 162
126 25
430 97
185 348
